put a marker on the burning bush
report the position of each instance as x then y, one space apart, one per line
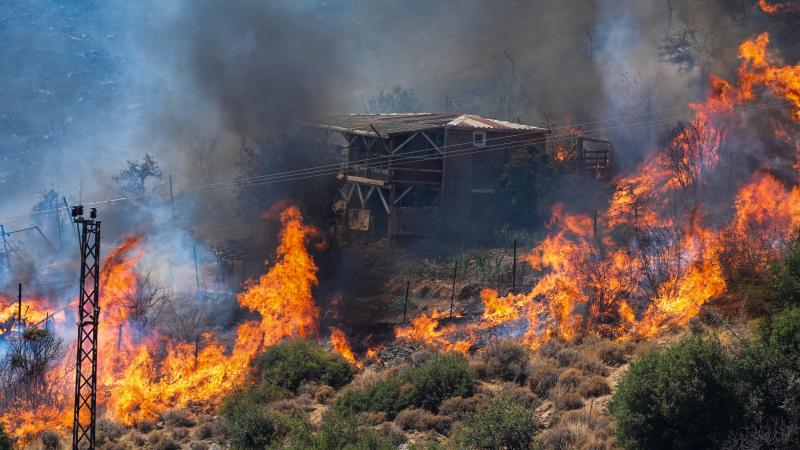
501 424
294 362
684 397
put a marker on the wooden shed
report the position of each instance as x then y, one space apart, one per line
422 173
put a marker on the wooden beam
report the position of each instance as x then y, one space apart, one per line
425 135
369 194
402 194
397 149
364 180
360 196
383 200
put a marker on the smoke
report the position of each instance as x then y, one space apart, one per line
90 85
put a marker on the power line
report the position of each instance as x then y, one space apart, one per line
333 168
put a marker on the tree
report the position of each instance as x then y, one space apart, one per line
396 100
132 181
26 365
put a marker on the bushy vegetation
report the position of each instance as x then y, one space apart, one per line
338 432
248 424
6 443
506 360
294 362
501 424
787 272
427 386
697 394
682 397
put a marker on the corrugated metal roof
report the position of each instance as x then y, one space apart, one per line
390 124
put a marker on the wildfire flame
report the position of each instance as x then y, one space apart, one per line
134 385
593 281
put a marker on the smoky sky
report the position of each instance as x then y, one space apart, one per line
88 85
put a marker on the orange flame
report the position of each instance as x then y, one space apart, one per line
341 346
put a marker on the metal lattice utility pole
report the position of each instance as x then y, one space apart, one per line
83 426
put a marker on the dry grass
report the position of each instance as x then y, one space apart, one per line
601 425
370 376
542 380
372 418
612 353
570 379
324 394
572 437
567 400
50 440
518 394
594 386
568 357
178 418
145 426
506 360
551 348
594 366
162 441
412 419
456 407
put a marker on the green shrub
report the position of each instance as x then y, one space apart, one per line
787 272
383 396
6 442
337 432
247 422
683 397
291 363
427 386
767 384
784 336
439 378
502 424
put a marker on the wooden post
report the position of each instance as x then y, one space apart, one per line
196 349
405 302
514 271
453 289
19 304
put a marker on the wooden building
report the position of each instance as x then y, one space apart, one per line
424 173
